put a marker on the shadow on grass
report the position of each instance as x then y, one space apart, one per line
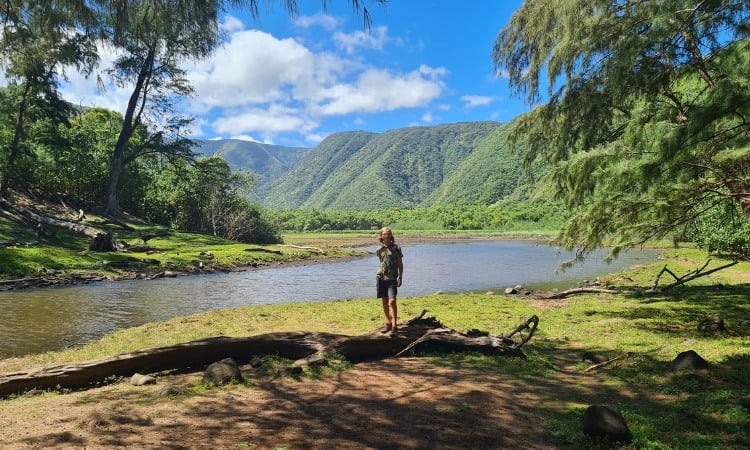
443 401
680 310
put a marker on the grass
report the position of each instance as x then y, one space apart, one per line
664 409
66 254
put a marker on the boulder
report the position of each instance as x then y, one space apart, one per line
607 422
222 372
689 360
713 324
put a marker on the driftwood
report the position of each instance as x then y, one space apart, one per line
622 357
101 240
303 247
416 336
697 273
583 290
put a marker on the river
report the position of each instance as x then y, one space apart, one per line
45 319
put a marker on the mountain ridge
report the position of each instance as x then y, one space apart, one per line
452 164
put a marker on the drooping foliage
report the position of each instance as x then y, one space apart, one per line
38 40
645 114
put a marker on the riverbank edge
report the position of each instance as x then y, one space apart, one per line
152 274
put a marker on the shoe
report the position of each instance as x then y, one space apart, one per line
394 333
387 329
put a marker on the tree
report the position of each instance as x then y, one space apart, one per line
37 41
80 168
646 124
155 36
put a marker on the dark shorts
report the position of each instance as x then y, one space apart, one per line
386 288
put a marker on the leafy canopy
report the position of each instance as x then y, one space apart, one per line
646 116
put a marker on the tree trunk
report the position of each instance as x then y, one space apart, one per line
129 123
419 335
14 146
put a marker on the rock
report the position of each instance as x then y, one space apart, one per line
511 291
257 361
713 324
689 360
222 372
140 380
171 390
603 421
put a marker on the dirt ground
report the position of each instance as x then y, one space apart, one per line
405 403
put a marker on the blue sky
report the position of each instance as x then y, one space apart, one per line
295 80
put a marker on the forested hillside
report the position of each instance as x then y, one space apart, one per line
463 163
268 161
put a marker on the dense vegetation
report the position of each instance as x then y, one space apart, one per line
512 217
645 115
456 164
640 137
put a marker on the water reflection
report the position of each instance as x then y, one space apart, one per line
53 318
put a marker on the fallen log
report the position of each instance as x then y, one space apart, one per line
692 275
101 240
417 336
583 290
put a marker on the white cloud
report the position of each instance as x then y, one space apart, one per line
433 73
86 90
244 137
253 67
260 86
316 138
232 24
317 20
378 90
267 122
427 117
471 101
350 42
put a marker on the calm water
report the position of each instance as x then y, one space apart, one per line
54 318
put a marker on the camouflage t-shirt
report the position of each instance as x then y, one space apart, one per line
389 258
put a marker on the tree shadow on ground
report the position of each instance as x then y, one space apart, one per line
436 402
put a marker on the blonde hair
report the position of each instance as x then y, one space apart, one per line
383 230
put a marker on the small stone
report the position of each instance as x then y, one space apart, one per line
171 390
140 380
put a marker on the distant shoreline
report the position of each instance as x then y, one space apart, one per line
345 242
